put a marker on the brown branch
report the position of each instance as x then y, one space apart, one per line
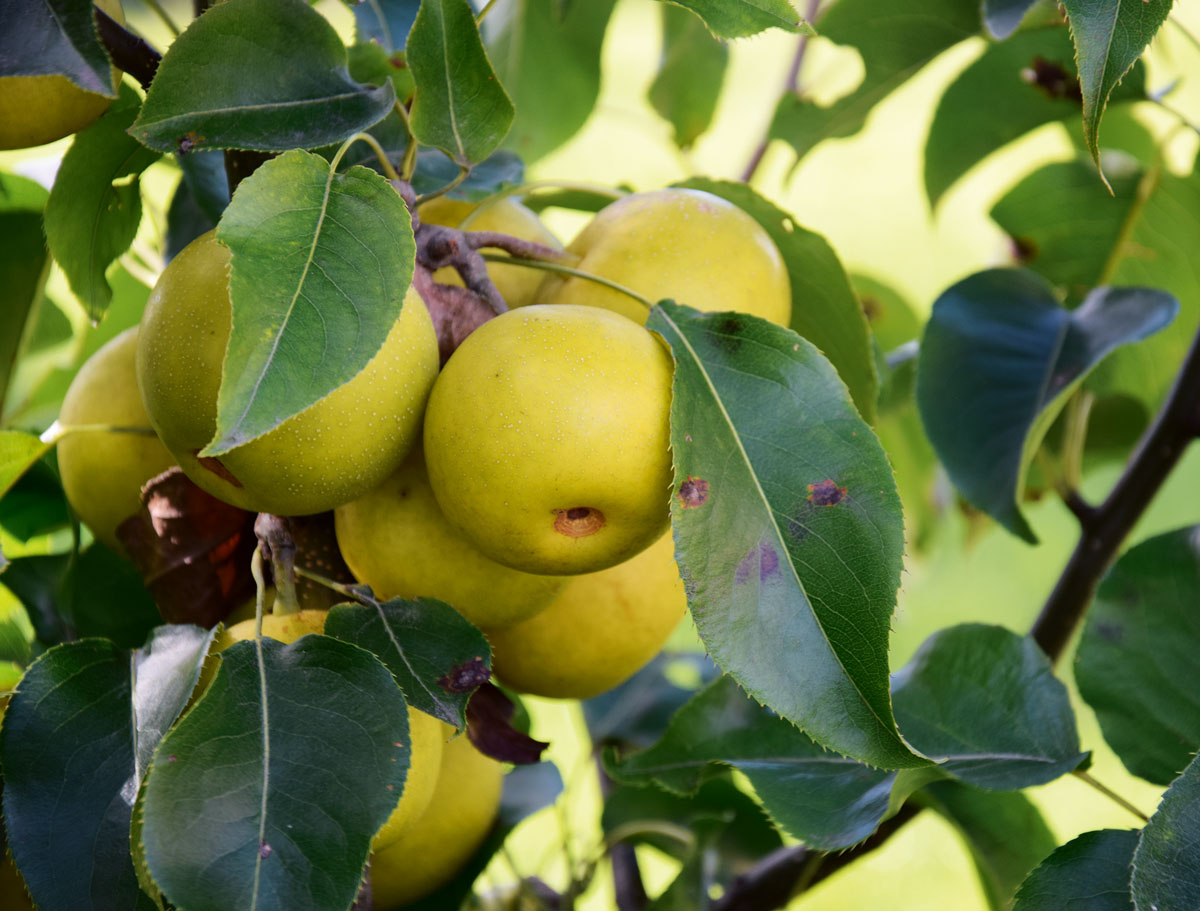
129 53
526 249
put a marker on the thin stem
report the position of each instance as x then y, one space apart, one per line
1110 794
629 830
64 429
408 163
463 174
260 594
384 163
348 591
483 13
1079 410
162 14
790 84
567 270
1186 32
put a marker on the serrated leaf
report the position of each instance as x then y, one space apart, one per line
321 262
19 451
43 37
998 361
460 106
258 92
1003 16
825 309
386 22
95 208
279 776
690 75
985 703
1013 87
1136 662
787 527
826 800
24 262
1088 873
555 89
1166 868
437 657
1004 831
895 40
69 755
637 711
1109 37
742 18
500 170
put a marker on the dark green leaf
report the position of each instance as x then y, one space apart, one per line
1136 664
787 527
690 75
1003 16
68 756
999 359
499 171
36 504
554 89
1089 873
828 801
1166 867
692 887
437 657
895 40
204 174
185 220
101 594
23 265
1004 832
18 453
257 91
741 18
279 775
307 322
460 107
16 632
1012 88
986 702
825 309
1109 37
35 581
95 208
386 22
637 711
42 37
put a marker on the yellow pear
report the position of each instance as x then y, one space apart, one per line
328 454
547 439
395 539
444 837
601 629
426 732
35 110
516 284
687 245
103 471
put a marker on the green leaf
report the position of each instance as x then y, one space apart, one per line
999 359
1004 832
1109 37
690 75
279 776
24 263
55 36
1166 868
693 885
1003 16
257 91
637 712
499 171
16 632
828 801
895 40
825 309
321 263
204 174
985 702
101 594
1012 88
437 657
385 22
1088 873
460 107
18 453
1136 660
742 18
554 89
95 207
70 762
787 525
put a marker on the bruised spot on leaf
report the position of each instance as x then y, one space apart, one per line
1053 80
466 676
693 492
1024 249
827 493
872 307
216 467
578 522
265 850
763 560
489 727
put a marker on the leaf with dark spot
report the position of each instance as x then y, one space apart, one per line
489 716
693 492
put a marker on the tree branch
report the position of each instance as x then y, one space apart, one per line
130 53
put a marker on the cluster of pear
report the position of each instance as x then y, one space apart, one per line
526 483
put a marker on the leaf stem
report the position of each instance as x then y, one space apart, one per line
568 270
633 829
483 13
384 162
348 591
463 173
1110 794
62 430
158 10
408 163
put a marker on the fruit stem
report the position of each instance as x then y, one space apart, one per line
57 431
568 270
275 538
260 595
1110 794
